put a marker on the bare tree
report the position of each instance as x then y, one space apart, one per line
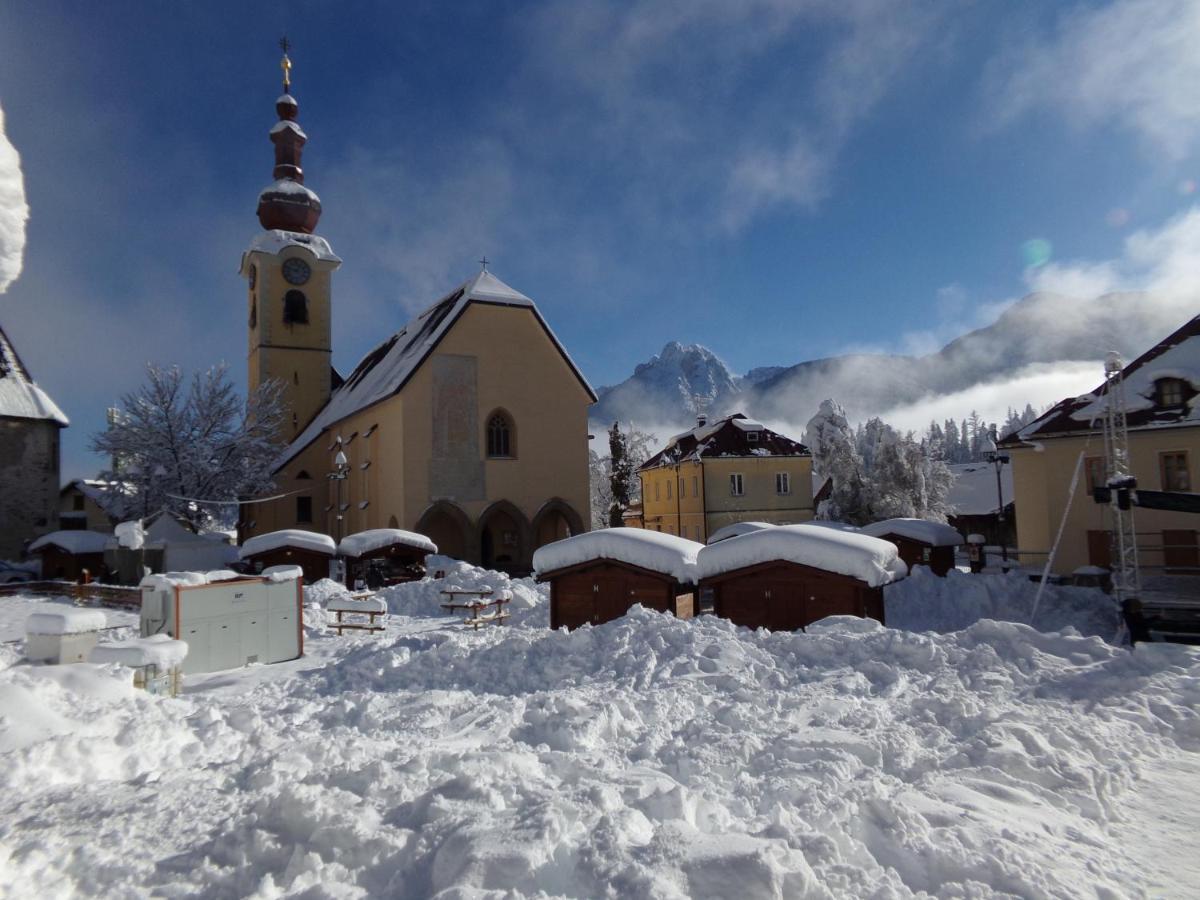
179 443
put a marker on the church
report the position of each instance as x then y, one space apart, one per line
468 425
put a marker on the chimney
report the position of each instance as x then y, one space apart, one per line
701 420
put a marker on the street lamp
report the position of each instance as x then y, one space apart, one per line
339 474
998 459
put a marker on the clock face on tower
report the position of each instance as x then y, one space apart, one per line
296 271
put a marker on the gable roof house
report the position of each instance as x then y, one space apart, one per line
29 455
722 472
1162 405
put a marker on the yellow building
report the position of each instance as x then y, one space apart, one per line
468 425
727 471
1164 444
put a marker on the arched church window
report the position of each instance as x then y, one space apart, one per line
295 308
500 436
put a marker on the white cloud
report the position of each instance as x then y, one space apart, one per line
1132 63
1039 385
14 211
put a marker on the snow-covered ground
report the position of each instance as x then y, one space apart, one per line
647 757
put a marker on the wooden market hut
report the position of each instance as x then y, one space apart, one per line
920 543
597 576
310 551
66 554
384 556
788 577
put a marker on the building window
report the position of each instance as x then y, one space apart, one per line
253 312
735 485
295 308
304 509
752 437
656 490
1094 466
500 436
783 483
1171 391
77 502
1175 471
669 483
695 486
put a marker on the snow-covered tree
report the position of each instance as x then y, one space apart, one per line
636 446
621 475
182 442
835 456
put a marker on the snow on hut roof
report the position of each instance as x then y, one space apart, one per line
74 542
736 529
1176 357
665 553
377 538
156 650
289 537
274 240
20 397
283 573
387 368
357 605
936 534
56 619
860 556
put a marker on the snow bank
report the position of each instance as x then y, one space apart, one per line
377 538
528 604
289 537
860 556
736 529
284 573
157 650
74 542
646 757
665 553
936 534
56 620
926 602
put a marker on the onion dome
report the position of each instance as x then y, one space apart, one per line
287 204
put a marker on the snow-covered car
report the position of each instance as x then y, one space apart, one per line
10 574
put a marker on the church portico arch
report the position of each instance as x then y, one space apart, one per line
505 538
554 521
448 526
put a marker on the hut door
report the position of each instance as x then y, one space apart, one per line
787 601
575 599
612 596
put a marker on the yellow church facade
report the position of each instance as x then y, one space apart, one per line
469 425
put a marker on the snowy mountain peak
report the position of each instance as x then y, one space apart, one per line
679 382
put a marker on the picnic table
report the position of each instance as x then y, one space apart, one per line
475 602
358 604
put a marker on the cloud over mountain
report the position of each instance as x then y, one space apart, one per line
14 211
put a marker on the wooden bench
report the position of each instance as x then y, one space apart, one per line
475 608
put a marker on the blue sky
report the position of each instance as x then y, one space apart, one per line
776 180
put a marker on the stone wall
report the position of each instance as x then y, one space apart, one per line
28 483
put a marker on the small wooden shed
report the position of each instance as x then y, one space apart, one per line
597 576
310 551
65 554
786 578
384 556
921 543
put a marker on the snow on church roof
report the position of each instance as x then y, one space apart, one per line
387 368
20 397
275 239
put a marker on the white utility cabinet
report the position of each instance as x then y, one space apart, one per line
61 634
227 620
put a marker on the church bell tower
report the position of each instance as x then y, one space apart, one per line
288 271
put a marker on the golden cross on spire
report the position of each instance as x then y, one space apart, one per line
286 64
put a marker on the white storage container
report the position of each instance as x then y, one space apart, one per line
62 634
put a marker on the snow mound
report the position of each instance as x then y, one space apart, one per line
357 605
860 556
936 534
57 620
665 553
283 573
377 538
926 602
289 537
156 650
529 603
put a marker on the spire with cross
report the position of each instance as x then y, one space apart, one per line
286 64
483 264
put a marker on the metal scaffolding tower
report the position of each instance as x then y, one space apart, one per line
1123 486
